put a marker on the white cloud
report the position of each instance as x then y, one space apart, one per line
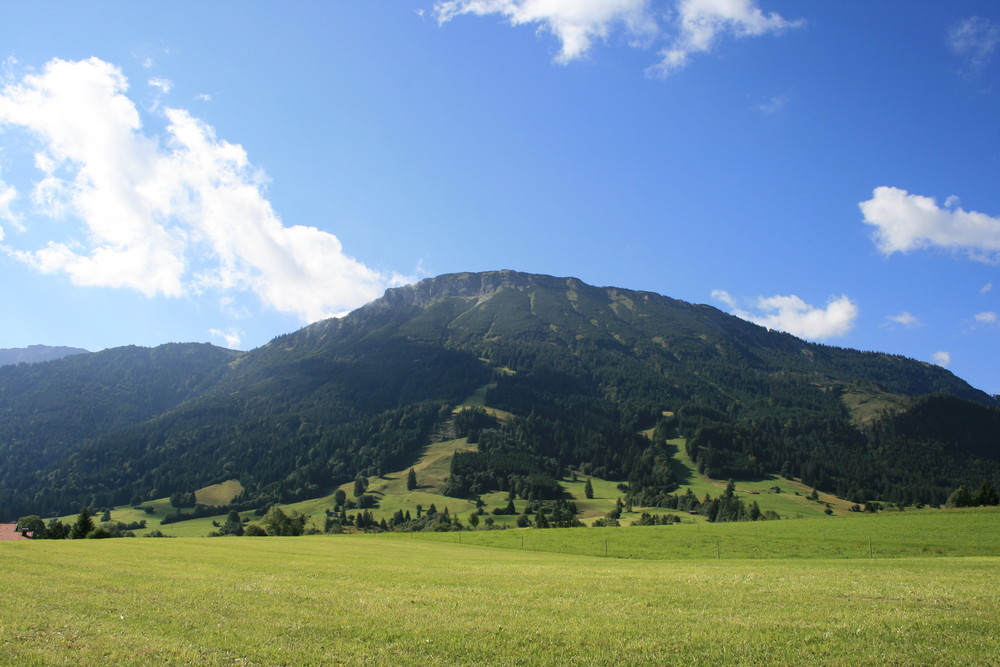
904 319
576 23
974 39
793 315
986 288
166 215
232 337
905 222
725 297
986 317
690 27
942 358
702 22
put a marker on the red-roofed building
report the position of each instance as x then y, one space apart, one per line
8 531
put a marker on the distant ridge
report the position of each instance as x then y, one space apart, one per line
35 353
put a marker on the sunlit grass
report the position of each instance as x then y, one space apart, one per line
386 600
927 533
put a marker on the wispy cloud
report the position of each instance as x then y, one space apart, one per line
683 27
725 297
986 318
905 222
791 314
974 39
161 84
169 215
904 319
701 23
773 104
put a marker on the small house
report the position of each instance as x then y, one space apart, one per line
9 531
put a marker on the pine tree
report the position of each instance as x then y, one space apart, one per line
84 525
411 480
588 489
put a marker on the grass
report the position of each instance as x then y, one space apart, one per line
218 495
918 534
387 600
867 405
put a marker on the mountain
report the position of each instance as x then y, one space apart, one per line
580 369
36 353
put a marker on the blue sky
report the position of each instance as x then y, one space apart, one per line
231 171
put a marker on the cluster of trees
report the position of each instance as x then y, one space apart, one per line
83 528
559 513
647 519
430 521
234 525
984 497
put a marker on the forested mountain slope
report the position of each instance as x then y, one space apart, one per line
582 368
36 353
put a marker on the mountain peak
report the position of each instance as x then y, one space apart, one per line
479 285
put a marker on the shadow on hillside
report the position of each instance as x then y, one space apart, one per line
682 474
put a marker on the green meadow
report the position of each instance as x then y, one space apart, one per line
396 599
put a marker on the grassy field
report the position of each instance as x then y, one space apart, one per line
389 600
917 534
